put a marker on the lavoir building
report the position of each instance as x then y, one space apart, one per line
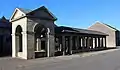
34 35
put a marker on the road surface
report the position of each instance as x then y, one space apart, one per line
105 61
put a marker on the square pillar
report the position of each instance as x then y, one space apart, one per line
50 45
91 43
77 41
63 44
102 42
95 42
83 42
86 42
29 45
98 42
71 44
14 48
105 43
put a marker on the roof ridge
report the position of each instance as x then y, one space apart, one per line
82 29
78 30
111 26
108 25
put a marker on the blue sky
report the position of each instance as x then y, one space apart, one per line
73 13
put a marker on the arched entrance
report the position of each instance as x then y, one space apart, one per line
18 34
40 41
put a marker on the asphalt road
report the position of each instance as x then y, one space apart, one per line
106 61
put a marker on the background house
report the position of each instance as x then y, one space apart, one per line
5 37
113 40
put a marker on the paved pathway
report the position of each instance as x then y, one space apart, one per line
106 60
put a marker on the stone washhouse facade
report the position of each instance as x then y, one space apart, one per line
35 34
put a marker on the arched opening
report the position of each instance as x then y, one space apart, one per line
19 38
40 41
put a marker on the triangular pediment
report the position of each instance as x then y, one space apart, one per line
101 24
17 14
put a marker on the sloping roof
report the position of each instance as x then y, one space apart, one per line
28 11
4 20
44 8
63 29
25 10
107 25
4 23
111 27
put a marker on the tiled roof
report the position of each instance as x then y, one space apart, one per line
63 29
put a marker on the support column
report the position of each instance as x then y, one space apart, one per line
98 42
50 43
88 42
66 45
91 42
28 45
71 44
80 43
60 42
102 42
83 42
38 45
77 43
105 42
95 42
63 44
14 49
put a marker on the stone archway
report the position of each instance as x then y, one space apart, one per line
40 40
18 37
